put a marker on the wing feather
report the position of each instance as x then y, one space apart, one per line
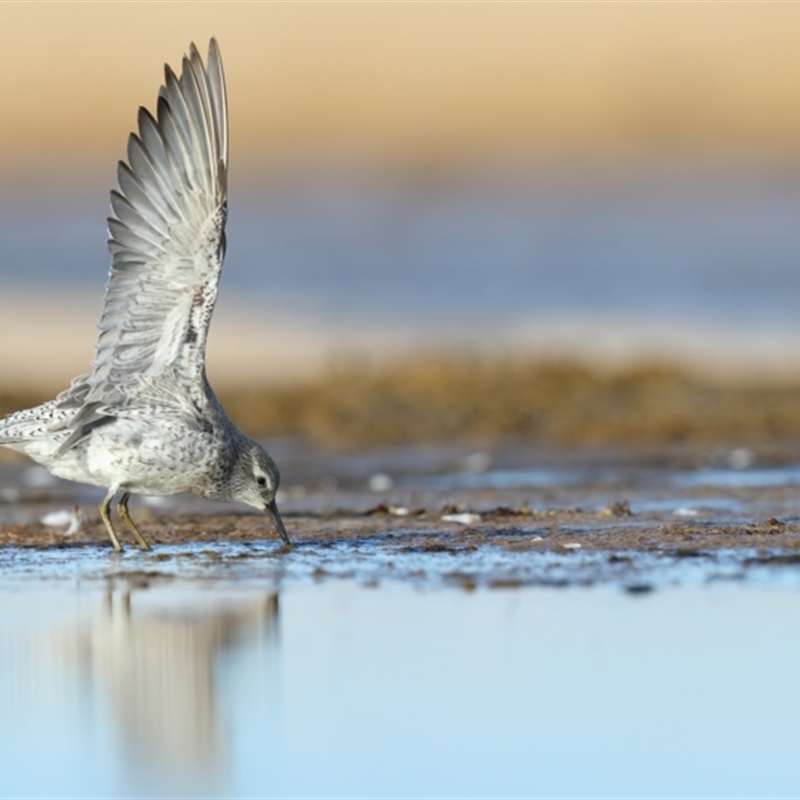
134 192
139 220
158 188
166 239
197 96
184 103
219 109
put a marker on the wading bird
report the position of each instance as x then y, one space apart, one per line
145 420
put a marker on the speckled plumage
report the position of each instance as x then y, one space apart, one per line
145 420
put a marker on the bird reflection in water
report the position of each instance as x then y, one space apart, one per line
155 659
156 668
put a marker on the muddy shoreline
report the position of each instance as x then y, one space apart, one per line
509 515
504 548
516 530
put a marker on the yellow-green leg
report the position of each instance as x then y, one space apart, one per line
122 508
105 513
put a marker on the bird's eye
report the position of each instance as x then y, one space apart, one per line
261 480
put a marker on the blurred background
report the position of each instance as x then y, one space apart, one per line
564 221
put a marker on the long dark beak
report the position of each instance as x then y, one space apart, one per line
271 510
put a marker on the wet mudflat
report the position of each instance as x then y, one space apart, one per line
637 519
505 549
450 622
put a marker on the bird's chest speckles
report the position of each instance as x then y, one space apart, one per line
154 459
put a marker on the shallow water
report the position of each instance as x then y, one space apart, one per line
340 690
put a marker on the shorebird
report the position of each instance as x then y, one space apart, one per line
145 420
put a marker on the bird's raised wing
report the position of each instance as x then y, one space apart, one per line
167 242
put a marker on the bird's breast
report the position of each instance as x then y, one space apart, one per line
159 457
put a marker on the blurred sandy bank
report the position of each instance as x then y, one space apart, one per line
46 339
558 381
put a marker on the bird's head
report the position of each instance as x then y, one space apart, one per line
255 482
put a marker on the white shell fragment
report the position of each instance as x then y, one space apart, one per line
685 512
462 519
72 519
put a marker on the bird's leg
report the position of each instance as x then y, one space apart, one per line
122 508
105 513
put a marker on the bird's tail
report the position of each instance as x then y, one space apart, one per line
28 425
